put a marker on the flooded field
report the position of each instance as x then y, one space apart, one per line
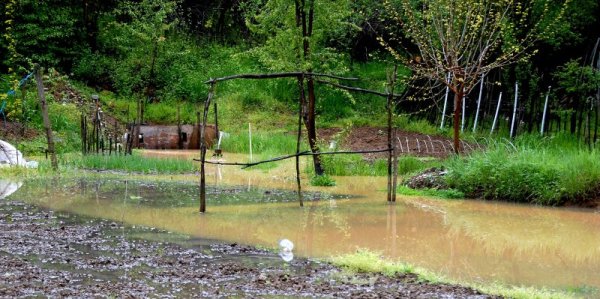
465 240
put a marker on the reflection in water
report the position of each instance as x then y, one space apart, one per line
471 240
8 187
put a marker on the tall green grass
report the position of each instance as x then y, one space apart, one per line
547 171
132 163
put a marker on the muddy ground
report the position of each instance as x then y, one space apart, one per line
406 143
54 254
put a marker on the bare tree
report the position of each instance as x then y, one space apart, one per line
468 39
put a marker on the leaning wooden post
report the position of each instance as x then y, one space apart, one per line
390 99
203 148
445 102
514 115
545 110
301 102
496 114
394 153
45 118
478 102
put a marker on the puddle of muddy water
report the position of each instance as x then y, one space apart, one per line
465 240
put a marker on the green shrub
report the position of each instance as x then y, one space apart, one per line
322 181
408 164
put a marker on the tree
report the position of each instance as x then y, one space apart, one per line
296 34
468 39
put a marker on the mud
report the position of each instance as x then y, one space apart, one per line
55 254
410 143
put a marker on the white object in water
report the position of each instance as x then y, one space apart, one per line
286 245
287 256
285 250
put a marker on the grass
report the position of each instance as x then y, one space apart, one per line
322 181
366 261
133 163
439 193
549 171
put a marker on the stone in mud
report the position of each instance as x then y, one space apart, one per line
432 178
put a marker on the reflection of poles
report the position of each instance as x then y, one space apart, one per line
392 229
203 149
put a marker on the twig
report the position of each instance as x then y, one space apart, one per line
276 75
304 153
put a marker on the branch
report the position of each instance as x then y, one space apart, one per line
357 89
304 153
276 75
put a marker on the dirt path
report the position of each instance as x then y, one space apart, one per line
46 253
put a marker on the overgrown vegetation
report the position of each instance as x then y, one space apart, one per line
548 171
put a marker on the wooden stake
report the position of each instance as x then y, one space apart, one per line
545 110
512 123
496 115
390 107
445 102
203 149
45 118
299 139
478 102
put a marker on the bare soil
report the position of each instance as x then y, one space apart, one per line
54 254
15 131
406 143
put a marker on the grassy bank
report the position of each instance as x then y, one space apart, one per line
547 171
365 261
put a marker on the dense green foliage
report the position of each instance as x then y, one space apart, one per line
550 171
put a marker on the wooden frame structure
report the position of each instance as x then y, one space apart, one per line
301 76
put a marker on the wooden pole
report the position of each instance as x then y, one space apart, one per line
496 115
250 140
478 102
299 139
545 110
203 149
216 120
514 116
390 107
445 102
45 118
464 105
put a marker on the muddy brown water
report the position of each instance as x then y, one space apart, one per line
465 240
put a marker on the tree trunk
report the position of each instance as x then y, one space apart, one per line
309 120
46 119
458 96
311 127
